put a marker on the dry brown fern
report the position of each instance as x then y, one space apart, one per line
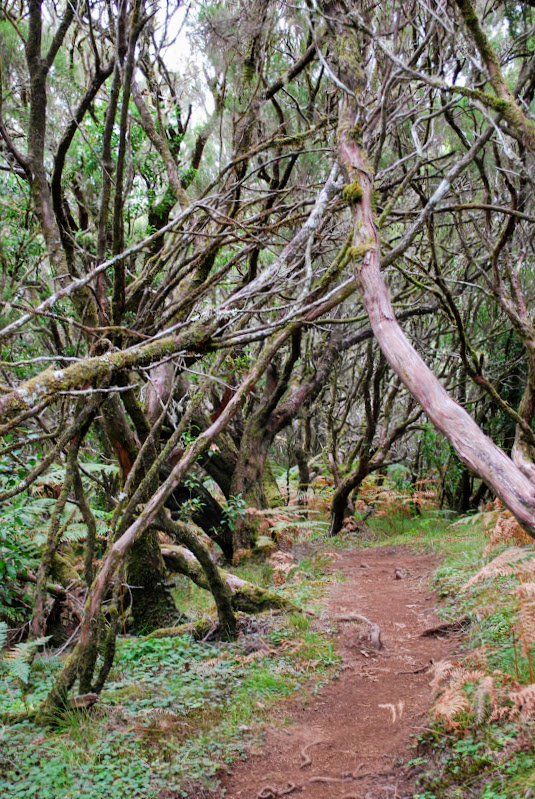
515 561
496 695
524 702
486 699
501 526
450 705
506 530
525 625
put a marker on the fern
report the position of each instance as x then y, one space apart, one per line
17 661
3 634
101 468
525 626
515 561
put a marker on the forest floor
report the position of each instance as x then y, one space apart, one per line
353 739
302 704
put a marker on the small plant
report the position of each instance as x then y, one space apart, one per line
234 509
16 662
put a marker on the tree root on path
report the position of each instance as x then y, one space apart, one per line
375 630
448 628
307 760
273 793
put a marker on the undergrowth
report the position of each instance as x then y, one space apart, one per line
479 740
174 712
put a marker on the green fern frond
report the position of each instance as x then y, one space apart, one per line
101 468
4 629
75 532
20 669
17 661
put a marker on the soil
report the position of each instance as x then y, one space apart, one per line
353 739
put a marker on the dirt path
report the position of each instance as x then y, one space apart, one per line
351 742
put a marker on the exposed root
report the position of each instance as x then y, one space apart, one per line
448 627
420 670
375 630
273 793
307 760
83 701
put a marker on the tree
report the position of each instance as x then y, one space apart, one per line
189 251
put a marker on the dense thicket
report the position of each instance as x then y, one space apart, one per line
247 235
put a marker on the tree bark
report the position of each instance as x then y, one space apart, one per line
474 448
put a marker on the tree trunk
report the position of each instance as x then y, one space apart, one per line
152 603
473 447
339 505
301 458
207 514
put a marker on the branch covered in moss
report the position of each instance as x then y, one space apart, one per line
245 596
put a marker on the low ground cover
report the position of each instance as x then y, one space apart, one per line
174 711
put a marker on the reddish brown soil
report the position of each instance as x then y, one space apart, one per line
357 731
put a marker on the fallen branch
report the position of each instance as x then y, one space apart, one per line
245 596
197 630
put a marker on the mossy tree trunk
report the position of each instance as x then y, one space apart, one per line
245 596
152 603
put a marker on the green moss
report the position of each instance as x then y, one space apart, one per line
355 134
352 193
248 71
62 570
500 105
356 253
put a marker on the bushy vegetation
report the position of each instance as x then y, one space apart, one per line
174 712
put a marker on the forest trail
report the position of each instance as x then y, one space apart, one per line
352 740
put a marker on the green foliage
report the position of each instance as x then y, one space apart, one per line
439 456
174 711
16 662
234 509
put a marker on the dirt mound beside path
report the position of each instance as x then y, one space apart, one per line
352 741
